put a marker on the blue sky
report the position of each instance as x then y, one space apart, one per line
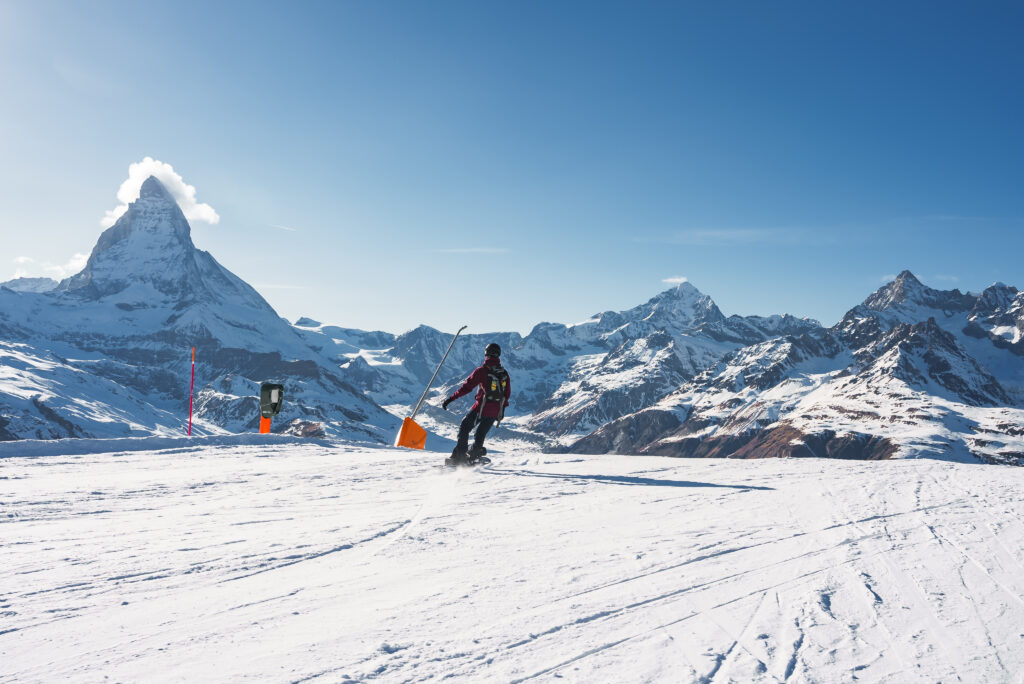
502 164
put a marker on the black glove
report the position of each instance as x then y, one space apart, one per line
444 404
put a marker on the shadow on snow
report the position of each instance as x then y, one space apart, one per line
625 480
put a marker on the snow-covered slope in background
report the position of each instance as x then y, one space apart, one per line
285 562
107 352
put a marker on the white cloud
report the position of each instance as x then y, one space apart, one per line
888 278
676 280
732 236
183 193
288 228
32 268
473 250
74 265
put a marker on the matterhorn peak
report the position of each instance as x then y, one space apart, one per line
155 213
149 243
152 187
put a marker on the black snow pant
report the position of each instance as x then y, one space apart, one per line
481 432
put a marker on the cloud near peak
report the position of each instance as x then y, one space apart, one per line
34 268
676 280
183 193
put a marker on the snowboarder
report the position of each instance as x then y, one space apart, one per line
495 388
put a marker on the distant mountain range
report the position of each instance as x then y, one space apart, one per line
910 372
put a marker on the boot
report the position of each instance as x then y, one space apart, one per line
459 456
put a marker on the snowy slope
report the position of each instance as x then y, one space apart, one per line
49 397
332 563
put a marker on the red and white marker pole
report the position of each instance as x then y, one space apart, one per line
190 388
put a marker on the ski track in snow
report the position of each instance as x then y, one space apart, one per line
290 562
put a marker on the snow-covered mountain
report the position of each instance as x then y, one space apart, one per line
107 352
31 284
911 371
568 380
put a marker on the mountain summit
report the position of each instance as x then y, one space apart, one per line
150 243
147 259
907 293
679 308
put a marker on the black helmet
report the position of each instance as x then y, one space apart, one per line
492 350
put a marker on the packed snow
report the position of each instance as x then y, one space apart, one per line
292 561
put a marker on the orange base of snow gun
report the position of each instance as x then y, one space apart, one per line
411 436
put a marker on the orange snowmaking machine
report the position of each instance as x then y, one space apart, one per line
271 398
411 435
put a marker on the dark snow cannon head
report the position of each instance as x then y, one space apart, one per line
271 398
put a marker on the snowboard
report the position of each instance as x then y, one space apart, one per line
483 460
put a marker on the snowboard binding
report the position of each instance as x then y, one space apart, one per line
478 456
472 457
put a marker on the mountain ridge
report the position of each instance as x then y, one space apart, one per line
905 373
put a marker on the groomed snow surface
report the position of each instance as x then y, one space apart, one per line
290 562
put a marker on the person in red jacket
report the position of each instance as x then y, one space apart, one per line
492 397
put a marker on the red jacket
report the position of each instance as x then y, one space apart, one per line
477 379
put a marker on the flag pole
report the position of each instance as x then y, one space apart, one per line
190 388
436 370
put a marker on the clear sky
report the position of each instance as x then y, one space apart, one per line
385 164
